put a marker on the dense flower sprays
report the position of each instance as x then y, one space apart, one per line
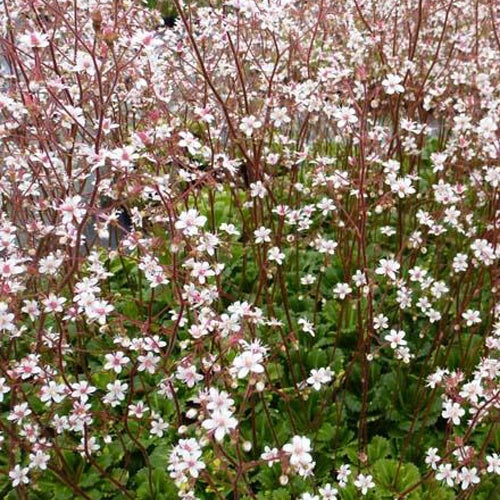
303 297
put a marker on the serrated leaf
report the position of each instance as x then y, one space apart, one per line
379 447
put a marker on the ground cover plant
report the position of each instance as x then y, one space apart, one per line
251 251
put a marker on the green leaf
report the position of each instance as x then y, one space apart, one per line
396 479
379 447
159 457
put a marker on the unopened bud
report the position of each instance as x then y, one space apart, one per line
283 480
96 20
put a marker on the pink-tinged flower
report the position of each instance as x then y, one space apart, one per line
98 310
452 412
34 40
158 426
468 477
248 362
364 483
201 271
82 391
276 255
190 221
392 84
137 410
471 317
249 124
39 460
19 475
299 454
493 461
388 267
148 362
396 338
4 388
116 361
345 116
188 375
52 393
220 422
53 303
447 474
19 413
184 459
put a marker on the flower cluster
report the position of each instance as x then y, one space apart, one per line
249 249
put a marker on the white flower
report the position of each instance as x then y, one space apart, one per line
116 393
82 390
359 278
396 338
468 477
19 475
115 361
380 322
432 458
452 412
345 116
4 388
258 190
52 392
493 463
249 124
388 267
299 449
308 496
158 426
364 483
279 116
341 290
402 186
248 362
274 254
343 474
459 263
471 317
392 84
262 235
446 473
220 423
190 142
307 326
328 492
39 460
190 221
320 377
